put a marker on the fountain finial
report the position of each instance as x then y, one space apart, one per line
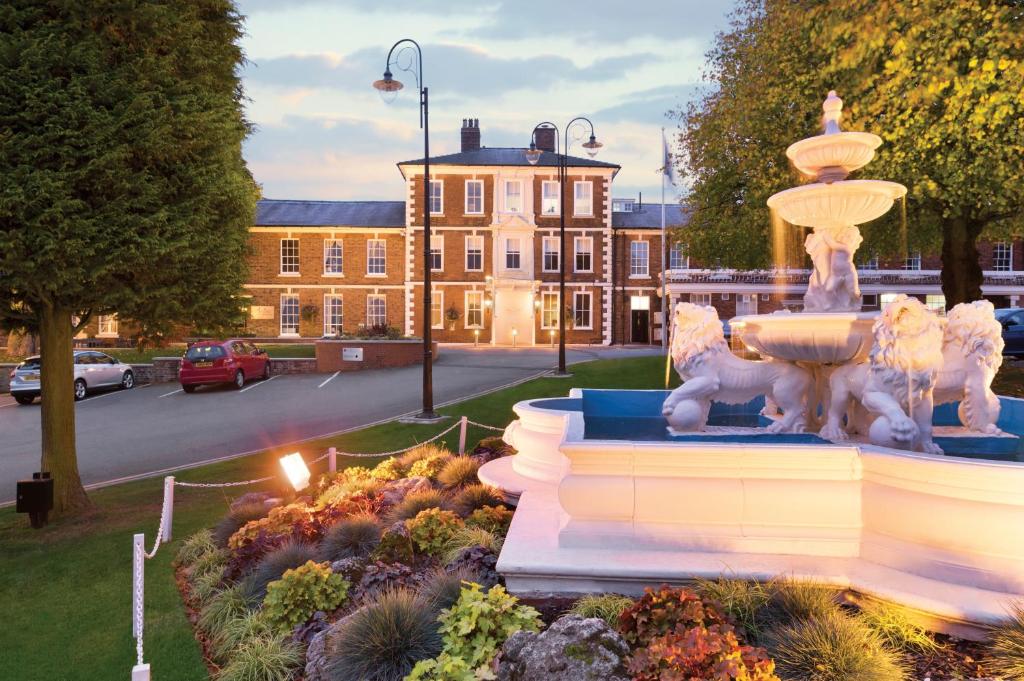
833 108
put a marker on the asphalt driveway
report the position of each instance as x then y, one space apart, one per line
156 427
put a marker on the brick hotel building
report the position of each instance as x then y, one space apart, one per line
326 267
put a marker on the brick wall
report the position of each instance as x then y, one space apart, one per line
375 354
453 200
599 194
626 286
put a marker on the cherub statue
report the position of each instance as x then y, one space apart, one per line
833 286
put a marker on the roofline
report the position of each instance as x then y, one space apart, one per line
402 165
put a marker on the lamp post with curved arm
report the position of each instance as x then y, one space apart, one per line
389 84
533 155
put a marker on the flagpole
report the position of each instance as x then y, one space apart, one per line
664 254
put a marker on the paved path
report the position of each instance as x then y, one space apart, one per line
154 427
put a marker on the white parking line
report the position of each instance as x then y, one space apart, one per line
175 392
258 384
333 376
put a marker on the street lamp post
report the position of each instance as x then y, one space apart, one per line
533 155
389 84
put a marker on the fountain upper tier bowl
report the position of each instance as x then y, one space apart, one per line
840 204
821 338
846 150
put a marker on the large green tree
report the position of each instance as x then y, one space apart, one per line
940 81
124 189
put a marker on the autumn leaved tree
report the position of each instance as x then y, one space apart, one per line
941 82
124 188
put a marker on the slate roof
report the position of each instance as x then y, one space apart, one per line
296 213
648 216
506 156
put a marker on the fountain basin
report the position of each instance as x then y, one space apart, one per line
847 150
821 338
839 204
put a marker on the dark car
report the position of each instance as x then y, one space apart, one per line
1012 319
233 362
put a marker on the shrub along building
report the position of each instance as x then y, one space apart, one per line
323 268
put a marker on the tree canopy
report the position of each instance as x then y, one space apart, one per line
124 188
941 82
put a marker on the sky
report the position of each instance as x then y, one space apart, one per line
322 131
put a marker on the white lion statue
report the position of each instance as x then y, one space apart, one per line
972 352
890 397
712 373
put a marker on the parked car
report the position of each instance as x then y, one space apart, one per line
1012 319
92 370
233 361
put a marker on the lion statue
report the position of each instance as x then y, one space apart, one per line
890 397
712 373
972 353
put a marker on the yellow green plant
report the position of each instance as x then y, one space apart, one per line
301 592
432 530
494 519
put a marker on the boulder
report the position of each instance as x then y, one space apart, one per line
571 649
478 560
316 653
393 492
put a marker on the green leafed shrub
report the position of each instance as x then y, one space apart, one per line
698 653
351 482
832 646
384 640
353 537
395 546
414 502
236 631
459 471
796 599
236 520
388 470
424 451
743 600
891 623
665 610
494 519
223 607
432 530
194 547
473 630
607 607
429 466
472 497
302 591
1007 645
263 658
469 537
276 563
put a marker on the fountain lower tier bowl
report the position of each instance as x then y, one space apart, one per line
821 338
839 204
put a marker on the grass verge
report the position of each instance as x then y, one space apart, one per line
65 599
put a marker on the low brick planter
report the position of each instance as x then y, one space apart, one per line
355 355
5 377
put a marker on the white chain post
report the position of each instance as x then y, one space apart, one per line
463 422
140 672
332 459
138 583
169 506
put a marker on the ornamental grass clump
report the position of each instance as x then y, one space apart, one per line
414 502
383 640
236 631
274 564
223 607
301 592
429 450
495 519
429 466
441 589
459 471
470 537
472 497
832 646
194 547
796 599
891 623
607 607
236 520
743 600
1007 645
353 537
263 658
432 530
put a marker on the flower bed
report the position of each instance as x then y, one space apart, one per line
389 574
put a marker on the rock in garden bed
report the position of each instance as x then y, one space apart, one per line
571 648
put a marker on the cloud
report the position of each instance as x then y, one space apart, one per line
649 106
451 68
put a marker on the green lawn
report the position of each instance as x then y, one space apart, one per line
65 594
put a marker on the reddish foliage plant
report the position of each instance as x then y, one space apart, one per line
701 654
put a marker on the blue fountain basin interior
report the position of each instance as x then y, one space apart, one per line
635 415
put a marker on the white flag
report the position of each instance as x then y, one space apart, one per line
667 166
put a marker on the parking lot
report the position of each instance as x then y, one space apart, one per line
156 427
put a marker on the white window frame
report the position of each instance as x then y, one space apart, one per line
285 270
329 309
370 244
636 272
440 197
871 264
340 257
555 250
372 297
437 245
579 210
480 198
522 199
1007 248
677 256
750 299
544 198
576 296
107 326
472 309
437 301
700 299
913 262
885 298
576 253
519 252
545 311
936 302
470 240
281 315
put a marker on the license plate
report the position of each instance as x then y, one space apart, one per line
30 377
202 365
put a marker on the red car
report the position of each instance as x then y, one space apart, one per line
233 361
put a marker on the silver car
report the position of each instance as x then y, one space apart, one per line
93 370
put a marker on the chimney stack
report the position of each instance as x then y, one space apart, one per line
470 134
544 138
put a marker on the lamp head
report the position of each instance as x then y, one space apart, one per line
533 154
388 83
592 146
296 471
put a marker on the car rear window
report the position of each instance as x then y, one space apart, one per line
201 352
31 363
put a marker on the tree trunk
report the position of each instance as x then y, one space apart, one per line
961 269
58 410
